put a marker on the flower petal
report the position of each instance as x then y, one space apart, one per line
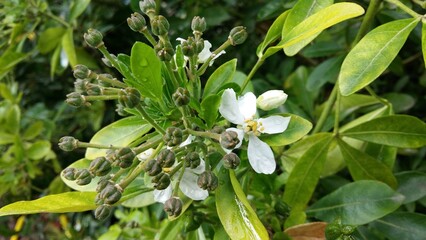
143 156
260 156
273 124
200 169
229 107
163 195
188 140
205 53
188 185
247 105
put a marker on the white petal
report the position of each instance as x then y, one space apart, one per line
188 185
163 195
143 156
247 105
229 107
273 124
260 156
205 53
271 99
64 59
216 56
188 140
200 169
181 40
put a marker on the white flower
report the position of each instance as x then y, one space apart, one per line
242 111
205 53
145 155
271 99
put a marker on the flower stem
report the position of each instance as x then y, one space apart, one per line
327 109
176 188
252 72
405 8
93 145
113 81
149 37
175 169
100 97
217 51
204 134
373 94
337 113
147 146
149 119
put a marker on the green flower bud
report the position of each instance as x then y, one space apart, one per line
198 24
93 38
93 89
188 47
80 86
207 181
136 22
198 45
231 161
333 230
129 97
75 99
69 173
103 211
173 206
181 97
103 183
164 51
218 129
68 143
173 136
100 166
147 7
166 158
237 35
282 208
152 168
162 181
111 155
81 71
192 160
83 177
103 83
159 25
110 194
125 157
229 139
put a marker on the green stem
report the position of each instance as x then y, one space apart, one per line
106 54
118 174
100 97
150 120
56 18
172 74
147 146
405 8
204 134
149 37
93 145
372 93
327 109
337 113
217 51
175 169
113 81
176 189
252 72
367 20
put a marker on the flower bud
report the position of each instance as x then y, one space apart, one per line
166 158
136 22
103 211
110 194
103 183
271 99
231 161
199 45
218 129
111 155
162 181
282 208
125 157
75 99
173 136
181 97
237 35
164 51
152 168
83 177
188 47
173 206
192 160
198 24
107 62
129 97
81 71
104 83
69 173
93 89
100 166
159 25
68 143
207 181
93 38
147 7
80 86
229 139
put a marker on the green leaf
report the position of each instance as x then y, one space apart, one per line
424 41
209 109
219 77
273 34
54 60
38 150
411 185
305 175
68 46
383 111
325 72
77 8
235 213
357 203
363 167
58 203
49 39
401 102
320 21
33 130
146 68
402 131
120 133
297 128
373 54
300 11
402 225
9 59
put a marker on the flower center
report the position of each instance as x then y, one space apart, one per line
253 126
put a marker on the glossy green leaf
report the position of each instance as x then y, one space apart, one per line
412 185
120 133
235 213
38 149
57 203
357 203
401 102
273 34
33 130
68 46
320 21
209 109
382 153
306 173
323 49
402 225
363 167
219 77
77 8
373 54
50 38
9 59
424 42
402 131
146 68
300 11
325 72
383 111
297 128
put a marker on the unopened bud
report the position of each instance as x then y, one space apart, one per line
83 177
166 158
159 25
271 99
110 194
80 86
218 129
81 71
199 45
147 7
198 25
69 173
103 183
68 143
129 97
104 83
103 211
173 206
125 157
173 136
100 166
188 47
136 22
93 89
181 97
152 168
207 181
192 160
162 181
93 38
75 99
164 51
237 35
231 161
229 139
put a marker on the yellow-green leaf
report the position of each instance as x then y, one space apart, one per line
68 46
